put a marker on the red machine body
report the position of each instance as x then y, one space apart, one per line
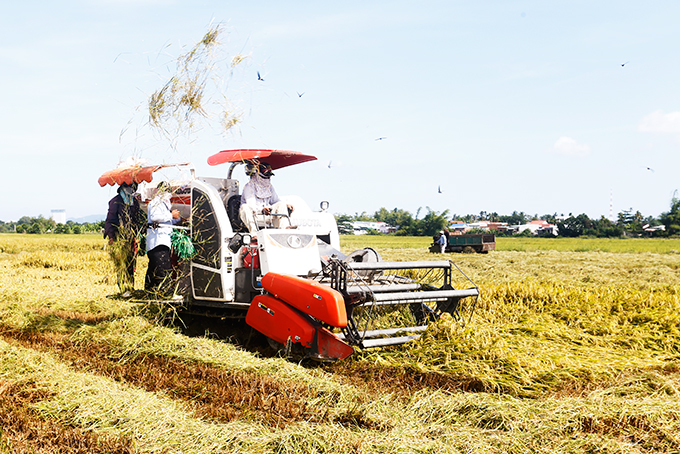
251 258
286 315
279 321
318 300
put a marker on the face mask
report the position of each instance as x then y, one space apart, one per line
126 195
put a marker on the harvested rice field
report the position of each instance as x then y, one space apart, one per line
574 346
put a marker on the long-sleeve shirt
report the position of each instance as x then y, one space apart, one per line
251 198
159 213
119 215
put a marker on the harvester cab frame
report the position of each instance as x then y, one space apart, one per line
294 285
232 276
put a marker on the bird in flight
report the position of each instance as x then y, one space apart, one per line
381 138
624 64
300 94
650 169
259 77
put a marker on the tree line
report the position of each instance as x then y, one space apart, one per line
408 224
42 225
627 223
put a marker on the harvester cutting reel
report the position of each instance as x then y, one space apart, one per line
390 303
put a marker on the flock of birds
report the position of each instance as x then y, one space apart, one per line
261 79
439 188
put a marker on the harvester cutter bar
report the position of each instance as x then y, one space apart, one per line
421 264
389 332
432 295
385 337
383 288
373 298
387 341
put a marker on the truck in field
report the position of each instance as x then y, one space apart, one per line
467 242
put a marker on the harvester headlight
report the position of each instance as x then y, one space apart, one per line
294 241
290 240
237 241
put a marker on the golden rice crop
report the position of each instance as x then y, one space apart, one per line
568 351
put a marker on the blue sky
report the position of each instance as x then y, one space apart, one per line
505 105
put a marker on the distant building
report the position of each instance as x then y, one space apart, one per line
647 229
539 228
481 225
59 216
362 227
497 226
460 227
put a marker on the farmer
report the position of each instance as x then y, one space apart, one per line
447 234
124 222
158 238
442 241
259 196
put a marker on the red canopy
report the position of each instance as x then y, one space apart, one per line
131 174
275 158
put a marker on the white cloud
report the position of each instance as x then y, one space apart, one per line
569 147
661 122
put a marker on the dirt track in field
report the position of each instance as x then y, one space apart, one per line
23 430
375 379
221 395
384 379
213 393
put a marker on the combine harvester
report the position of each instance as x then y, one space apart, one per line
292 283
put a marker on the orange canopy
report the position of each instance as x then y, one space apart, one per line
129 175
275 158
132 174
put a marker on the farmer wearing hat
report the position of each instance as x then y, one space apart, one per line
123 227
442 241
158 239
259 196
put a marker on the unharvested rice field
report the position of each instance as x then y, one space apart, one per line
574 346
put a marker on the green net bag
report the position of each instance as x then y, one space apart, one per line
182 245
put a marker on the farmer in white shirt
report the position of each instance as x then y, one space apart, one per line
260 198
442 241
161 218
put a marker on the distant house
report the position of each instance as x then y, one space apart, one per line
362 227
649 230
539 227
459 227
497 226
482 225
